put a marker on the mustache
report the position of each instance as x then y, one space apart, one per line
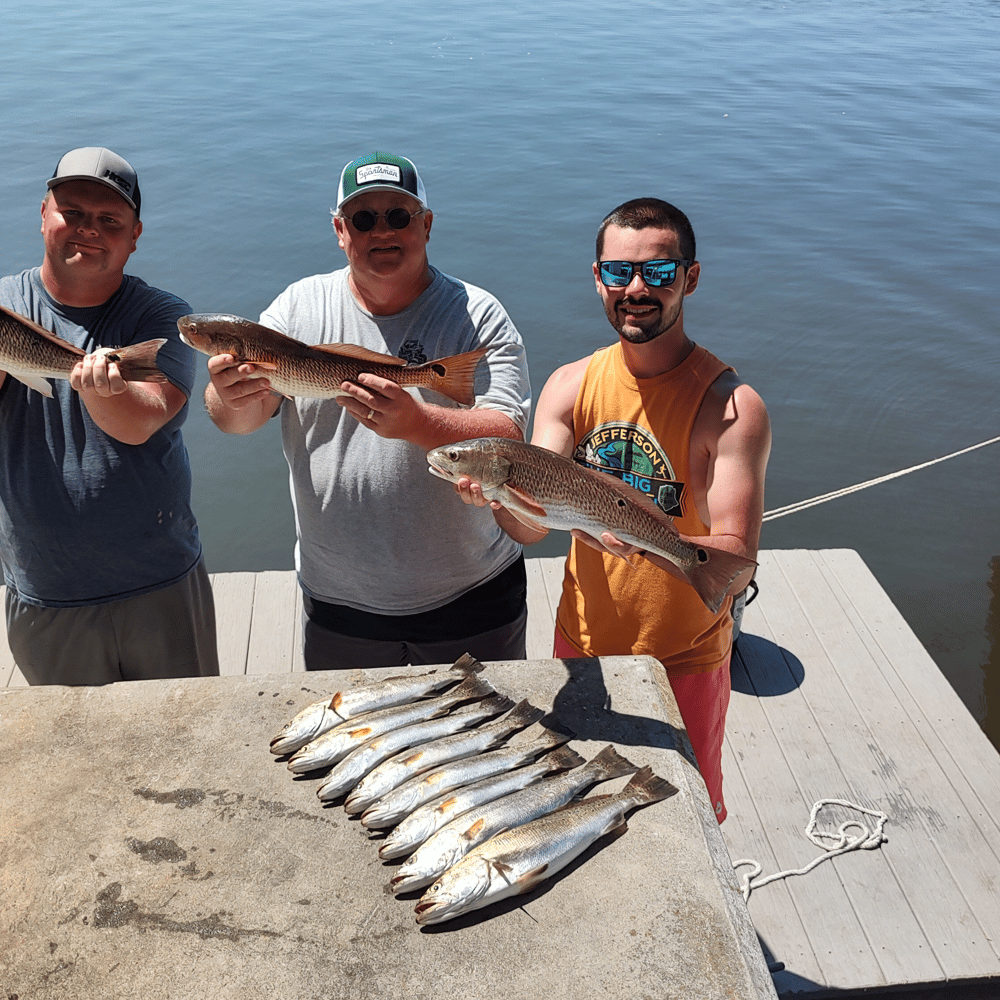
628 301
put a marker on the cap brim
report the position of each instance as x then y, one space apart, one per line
381 187
56 181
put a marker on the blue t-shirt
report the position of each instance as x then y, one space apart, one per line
85 519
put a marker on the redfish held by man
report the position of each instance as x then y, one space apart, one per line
546 490
317 371
32 355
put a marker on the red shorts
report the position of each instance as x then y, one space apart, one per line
703 700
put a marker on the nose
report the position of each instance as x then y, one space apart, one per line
636 284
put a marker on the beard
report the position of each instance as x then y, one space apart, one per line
659 323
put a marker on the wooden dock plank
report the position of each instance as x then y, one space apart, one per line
930 701
935 913
787 766
273 647
833 761
541 613
939 830
234 604
759 787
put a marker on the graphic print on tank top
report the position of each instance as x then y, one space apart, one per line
634 456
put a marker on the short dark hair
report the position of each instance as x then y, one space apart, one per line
645 213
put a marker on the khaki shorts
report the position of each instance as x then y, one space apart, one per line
166 633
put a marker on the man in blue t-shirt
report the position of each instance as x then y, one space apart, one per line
100 550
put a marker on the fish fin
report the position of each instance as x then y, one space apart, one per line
467 664
454 376
137 362
359 353
645 787
618 831
35 382
473 831
609 763
529 880
531 507
267 366
714 572
563 759
501 869
42 332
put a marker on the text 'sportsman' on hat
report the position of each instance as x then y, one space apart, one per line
95 163
380 172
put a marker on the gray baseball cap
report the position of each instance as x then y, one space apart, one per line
95 163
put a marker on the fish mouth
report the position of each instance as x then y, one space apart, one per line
435 470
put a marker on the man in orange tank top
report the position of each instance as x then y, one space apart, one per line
663 414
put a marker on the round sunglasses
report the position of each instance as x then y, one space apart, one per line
398 218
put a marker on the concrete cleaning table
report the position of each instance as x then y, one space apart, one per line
151 846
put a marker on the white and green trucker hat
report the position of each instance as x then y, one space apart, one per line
380 172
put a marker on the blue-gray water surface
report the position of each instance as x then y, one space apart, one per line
837 159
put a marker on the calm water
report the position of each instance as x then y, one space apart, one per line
838 161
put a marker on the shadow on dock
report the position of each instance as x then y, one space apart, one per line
761 668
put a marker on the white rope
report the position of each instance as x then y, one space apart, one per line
793 508
840 843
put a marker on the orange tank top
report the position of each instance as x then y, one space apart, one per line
640 431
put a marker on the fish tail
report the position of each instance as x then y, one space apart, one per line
713 573
454 376
524 714
609 763
497 703
137 362
549 738
467 664
473 687
645 787
563 759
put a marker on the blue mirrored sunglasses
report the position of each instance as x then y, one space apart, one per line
657 273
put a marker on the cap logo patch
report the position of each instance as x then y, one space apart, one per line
120 181
378 172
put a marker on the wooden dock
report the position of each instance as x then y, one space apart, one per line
833 698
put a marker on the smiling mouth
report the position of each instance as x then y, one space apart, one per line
638 308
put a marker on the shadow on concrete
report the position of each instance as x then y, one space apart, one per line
584 706
762 668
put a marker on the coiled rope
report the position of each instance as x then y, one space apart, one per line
839 843
793 508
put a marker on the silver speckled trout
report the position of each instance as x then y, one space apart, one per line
297 369
545 490
32 354
519 859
